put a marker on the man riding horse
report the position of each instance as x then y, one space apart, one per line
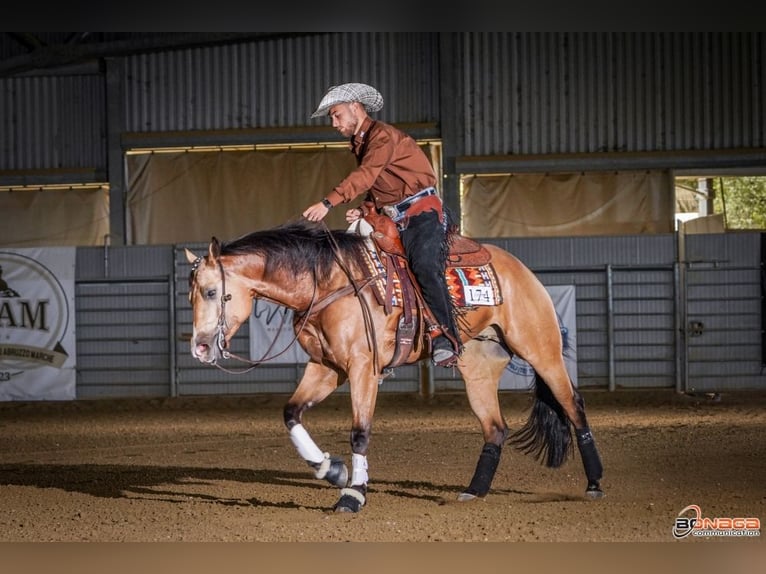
398 180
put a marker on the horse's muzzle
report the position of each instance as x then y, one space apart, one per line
204 352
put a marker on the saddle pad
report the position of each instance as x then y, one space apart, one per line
468 286
473 286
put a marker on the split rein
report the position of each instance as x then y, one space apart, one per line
220 339
314 307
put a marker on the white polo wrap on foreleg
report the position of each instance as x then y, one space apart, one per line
359 473
305 445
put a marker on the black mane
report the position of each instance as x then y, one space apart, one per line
300 247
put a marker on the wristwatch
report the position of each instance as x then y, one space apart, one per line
326 203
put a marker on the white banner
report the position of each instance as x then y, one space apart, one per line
518 374
268 322
37 330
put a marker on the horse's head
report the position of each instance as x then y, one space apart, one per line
220 302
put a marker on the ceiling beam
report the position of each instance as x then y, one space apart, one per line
67 54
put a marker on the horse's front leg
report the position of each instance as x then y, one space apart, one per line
317 383
364 392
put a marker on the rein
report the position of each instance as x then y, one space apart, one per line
369 327
222 326
314 307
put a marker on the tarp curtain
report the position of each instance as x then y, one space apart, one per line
180 197
57 217
568 204
191 196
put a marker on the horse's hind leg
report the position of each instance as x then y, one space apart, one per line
317 383
588 453
556 401
481 365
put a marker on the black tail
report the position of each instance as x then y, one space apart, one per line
547 434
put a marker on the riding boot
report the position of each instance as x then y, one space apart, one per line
444 354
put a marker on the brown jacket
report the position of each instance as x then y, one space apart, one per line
391 166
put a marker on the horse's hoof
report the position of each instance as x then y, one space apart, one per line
351 500
594 492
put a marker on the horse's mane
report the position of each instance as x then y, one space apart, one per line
300 247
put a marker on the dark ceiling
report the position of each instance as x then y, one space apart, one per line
24 53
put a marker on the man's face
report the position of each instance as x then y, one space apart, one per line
344 118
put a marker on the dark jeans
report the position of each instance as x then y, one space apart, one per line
425 243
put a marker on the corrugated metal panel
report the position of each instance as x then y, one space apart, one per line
124 321
52 123
278 82
124 262
575 92
626 303
724 301
123 338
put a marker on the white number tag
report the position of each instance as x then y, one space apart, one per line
478 295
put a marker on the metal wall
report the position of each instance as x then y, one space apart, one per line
53 123
125 322
643 319
278 82
591 92
724 283
516 93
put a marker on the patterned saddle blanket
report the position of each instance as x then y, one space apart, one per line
469 286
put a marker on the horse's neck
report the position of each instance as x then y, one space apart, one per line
296 291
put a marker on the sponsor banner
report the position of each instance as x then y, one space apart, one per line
271 332
518 374
269 322
37 330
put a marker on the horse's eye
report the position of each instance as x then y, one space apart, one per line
210 294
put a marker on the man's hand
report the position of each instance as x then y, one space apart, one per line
353 214
316 212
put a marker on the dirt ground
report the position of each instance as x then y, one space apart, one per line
224 469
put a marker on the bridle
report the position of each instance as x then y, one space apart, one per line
313 308
222 327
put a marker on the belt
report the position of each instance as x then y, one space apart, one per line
398 210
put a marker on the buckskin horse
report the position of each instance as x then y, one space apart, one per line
341 294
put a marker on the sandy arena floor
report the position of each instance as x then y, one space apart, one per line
224 469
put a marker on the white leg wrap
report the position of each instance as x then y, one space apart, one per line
305 445
359 473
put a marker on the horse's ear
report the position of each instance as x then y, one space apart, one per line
190 257
214 251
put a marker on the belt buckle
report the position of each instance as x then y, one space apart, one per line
393 212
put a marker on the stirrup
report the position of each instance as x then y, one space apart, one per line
444 358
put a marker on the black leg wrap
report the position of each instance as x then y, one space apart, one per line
485 470
351 499
589 454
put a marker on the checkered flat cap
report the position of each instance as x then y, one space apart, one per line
366 95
